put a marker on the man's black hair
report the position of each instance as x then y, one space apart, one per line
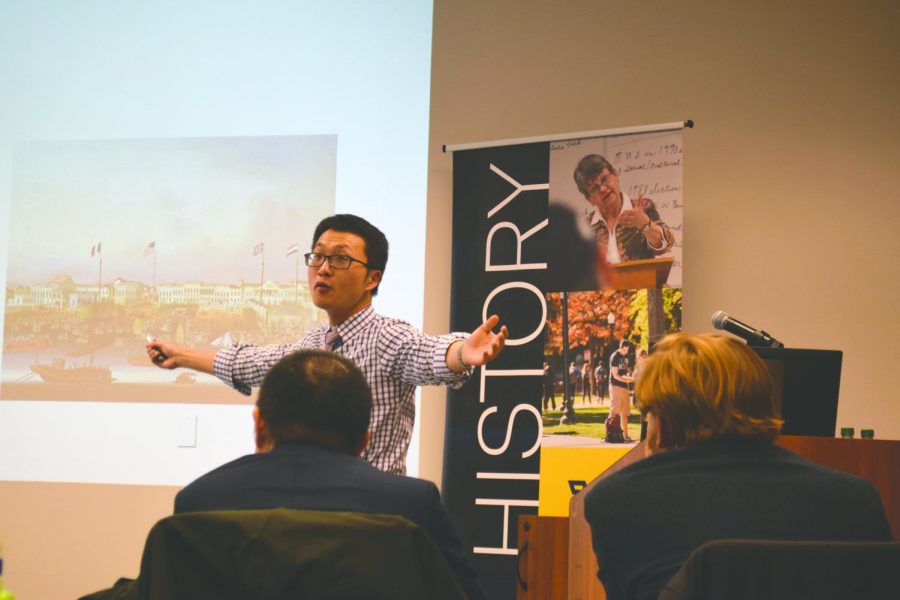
317 395
376 244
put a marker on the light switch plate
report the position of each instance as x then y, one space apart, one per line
187 431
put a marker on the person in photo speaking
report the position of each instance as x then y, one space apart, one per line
624 229
345 267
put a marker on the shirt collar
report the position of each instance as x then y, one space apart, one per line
352 326
594 216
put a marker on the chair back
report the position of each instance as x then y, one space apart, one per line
281 553
776 570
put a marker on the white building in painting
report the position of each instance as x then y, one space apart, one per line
63 292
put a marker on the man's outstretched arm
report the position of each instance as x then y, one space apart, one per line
171 356
480 348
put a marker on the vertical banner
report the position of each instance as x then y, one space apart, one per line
493 427
576 245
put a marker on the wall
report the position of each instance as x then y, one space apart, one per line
791 174
65 540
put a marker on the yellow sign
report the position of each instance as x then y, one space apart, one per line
566 471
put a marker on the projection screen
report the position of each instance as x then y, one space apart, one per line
162 167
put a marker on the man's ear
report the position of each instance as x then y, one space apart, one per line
658 438
261 432
374 278
664 434
362 444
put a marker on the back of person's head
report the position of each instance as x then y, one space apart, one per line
701 387
376 243
318 396
588 168
573 254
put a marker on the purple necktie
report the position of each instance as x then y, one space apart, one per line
332 340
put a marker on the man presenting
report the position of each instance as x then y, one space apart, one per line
345 267
311 422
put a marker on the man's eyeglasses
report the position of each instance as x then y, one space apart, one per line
335 261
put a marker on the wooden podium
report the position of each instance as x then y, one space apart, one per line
641 274
556 559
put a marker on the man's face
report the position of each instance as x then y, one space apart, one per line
341 292
604 188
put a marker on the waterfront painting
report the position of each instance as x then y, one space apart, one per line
197 241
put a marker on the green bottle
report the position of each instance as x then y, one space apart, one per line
5 594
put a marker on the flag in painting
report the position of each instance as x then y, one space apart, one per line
258 249
293 249
150 248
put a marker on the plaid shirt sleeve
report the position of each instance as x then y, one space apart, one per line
416 358
243 366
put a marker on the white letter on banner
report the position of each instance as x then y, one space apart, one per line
505 373
519 188
485 372
504 548
509 427
526 286
516 266
517 476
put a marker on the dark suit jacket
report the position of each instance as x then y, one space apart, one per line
305 475
647 518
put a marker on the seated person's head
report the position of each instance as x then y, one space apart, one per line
700 387
315 396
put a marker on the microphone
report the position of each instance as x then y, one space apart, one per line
753 337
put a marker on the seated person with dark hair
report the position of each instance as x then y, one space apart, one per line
311 424
714 472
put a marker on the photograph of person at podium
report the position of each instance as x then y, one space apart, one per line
630 237
627 229
714 472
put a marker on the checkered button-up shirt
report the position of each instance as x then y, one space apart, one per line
394 356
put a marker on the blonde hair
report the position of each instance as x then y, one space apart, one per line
702 387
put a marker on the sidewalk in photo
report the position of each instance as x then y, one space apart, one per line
578 441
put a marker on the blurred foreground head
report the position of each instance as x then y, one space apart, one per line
315 396
701 387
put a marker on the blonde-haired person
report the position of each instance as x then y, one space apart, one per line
703 387
714 472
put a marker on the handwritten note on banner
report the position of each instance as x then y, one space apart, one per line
644 166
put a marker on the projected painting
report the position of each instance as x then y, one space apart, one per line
197 241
